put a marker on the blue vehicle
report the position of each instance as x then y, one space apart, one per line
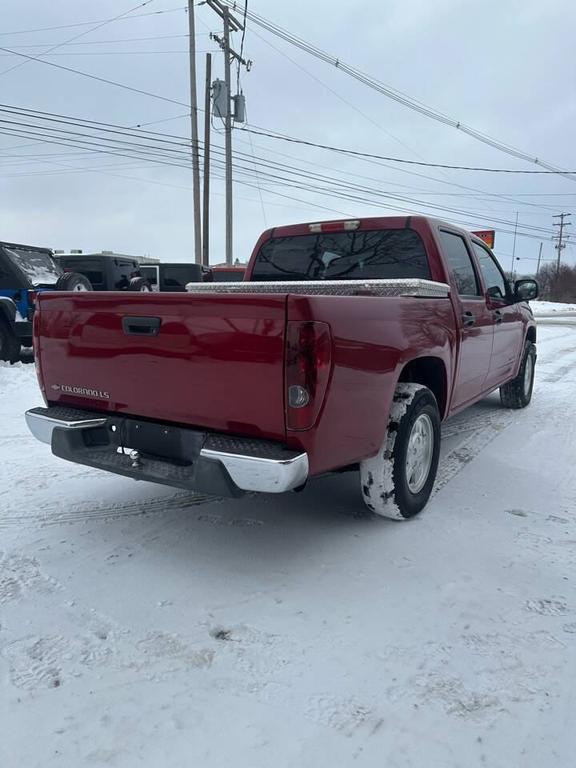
24 271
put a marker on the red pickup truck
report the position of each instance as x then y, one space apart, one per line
344 348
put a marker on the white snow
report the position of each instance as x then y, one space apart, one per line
38 267
142 626
547 308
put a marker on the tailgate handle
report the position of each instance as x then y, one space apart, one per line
141 326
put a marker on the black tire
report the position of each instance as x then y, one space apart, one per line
9 343
517 393
73 281
389 486
139 284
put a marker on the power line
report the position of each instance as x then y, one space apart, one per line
387 133
94 77
87 23
115 41
309 188
112 53
390 159
155 143
398 96
322 185
80 34
149 135
28 112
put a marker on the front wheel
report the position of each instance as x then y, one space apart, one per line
518 392
398 481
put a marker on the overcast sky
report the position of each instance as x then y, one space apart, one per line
506 68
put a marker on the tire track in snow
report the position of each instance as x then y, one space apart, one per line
455 459
53 514
485 426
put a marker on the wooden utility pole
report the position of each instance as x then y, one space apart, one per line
206 190
560 242
231 24
539 259
194 135
228 136
514 246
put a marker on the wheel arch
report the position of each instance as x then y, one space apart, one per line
431 372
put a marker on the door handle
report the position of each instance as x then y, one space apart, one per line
468 319
141 326
498 317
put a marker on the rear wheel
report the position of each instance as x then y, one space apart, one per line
9 343
518 392
73 281
398 481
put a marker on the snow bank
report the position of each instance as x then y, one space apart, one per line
544 308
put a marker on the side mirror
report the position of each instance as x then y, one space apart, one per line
525 290
207 275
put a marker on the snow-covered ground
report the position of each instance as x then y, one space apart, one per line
141 626
550 308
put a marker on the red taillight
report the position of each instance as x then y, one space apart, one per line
308 363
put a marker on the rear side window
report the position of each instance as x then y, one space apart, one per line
91 268
377 254
124 271
491 272
176 277
151 274
460 263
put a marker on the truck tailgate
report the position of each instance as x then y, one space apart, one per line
209 361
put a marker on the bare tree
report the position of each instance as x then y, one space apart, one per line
557 284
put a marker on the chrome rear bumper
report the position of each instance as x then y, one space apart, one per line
247 464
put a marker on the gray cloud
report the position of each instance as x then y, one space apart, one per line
505 68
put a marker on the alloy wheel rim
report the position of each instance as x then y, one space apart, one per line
420 452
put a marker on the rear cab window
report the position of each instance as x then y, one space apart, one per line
359 255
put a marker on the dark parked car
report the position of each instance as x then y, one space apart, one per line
25 270
107 272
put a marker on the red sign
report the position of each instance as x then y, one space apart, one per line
488 235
